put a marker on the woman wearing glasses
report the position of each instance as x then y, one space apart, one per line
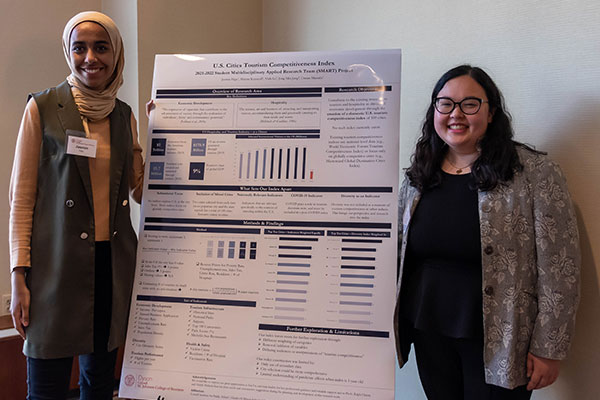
73 248
489 260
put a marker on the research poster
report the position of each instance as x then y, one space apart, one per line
266 266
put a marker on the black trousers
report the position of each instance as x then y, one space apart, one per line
452 369
48 379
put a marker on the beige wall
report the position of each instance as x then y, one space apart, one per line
545 57
32 60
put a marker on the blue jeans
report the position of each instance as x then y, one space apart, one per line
48 379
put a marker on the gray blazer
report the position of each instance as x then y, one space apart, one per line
531 261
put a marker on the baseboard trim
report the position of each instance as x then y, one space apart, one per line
6 322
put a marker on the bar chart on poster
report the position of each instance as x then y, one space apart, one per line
273 164
266 262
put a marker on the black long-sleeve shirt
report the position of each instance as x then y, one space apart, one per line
441 289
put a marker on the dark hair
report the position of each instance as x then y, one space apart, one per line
498 160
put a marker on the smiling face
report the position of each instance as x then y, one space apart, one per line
91 55
459 131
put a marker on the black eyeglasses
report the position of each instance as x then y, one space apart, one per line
468 105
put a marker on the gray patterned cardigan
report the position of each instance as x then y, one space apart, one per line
531 260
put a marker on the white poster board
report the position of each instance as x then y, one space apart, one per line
266 266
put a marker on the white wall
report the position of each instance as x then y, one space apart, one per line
545 57
196 27
124 13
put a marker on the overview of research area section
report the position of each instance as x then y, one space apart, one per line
266 263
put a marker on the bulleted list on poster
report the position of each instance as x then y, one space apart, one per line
266 264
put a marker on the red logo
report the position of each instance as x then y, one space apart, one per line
129 380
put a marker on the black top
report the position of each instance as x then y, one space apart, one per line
441 283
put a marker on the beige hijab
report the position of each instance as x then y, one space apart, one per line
95 104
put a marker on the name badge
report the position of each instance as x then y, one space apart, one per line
81 146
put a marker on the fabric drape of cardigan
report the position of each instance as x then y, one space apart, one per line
531 261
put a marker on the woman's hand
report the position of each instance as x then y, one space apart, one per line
19 302
541 371
149 107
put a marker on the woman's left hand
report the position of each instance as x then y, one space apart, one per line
541 371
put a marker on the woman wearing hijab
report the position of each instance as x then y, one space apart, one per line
72 245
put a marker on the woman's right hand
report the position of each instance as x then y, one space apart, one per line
149 107
19 303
